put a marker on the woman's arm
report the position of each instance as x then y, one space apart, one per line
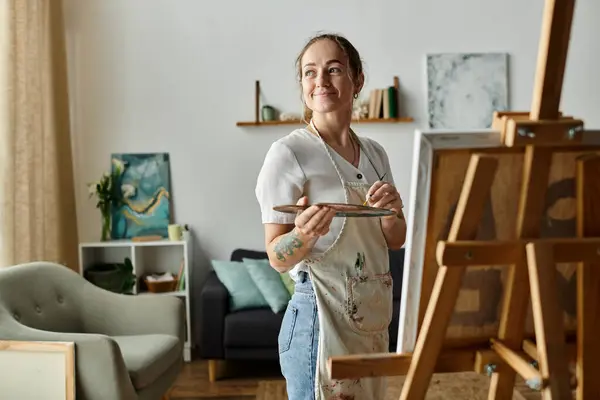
280 181
288 244
394 230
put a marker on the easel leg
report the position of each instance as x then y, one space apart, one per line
588 281
536 172
475 193
549 325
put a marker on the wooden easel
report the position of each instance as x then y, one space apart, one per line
532 271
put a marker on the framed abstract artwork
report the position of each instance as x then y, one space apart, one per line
146 194
464 89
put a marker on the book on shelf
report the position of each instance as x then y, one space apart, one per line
181 277
383 103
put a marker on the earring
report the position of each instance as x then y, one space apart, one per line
356 95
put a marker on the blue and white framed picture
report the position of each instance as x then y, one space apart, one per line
145 186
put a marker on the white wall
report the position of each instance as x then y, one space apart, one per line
176 75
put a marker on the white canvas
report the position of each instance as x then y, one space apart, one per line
464 90
426 142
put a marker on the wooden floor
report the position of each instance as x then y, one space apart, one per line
263 381
241 382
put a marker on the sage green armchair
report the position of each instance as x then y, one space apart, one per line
126 346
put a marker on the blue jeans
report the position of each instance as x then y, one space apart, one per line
298 341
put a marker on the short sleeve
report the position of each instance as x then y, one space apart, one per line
280 181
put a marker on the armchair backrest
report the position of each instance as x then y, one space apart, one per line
42 295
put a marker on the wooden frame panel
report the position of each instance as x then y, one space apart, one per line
38 360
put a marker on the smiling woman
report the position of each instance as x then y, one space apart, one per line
342 81
342 302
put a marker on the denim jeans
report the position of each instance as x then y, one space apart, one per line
298 341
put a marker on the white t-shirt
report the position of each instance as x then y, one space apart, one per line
298 165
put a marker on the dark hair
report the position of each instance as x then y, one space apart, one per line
355 64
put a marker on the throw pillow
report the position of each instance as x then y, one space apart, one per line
269 282
288 282
243 292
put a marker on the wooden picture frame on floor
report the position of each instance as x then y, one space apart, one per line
49 365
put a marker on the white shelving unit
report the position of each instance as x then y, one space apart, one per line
147 258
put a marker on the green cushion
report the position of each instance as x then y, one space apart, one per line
288 282
269 282
243 292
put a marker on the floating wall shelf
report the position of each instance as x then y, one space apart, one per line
258 122
356 121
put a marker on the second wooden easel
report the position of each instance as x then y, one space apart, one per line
532 272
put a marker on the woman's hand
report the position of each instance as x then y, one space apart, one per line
385 195
314 221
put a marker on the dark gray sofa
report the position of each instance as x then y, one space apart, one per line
252 334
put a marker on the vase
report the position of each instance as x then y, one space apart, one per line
268 113
105 227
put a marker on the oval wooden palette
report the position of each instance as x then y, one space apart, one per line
342 210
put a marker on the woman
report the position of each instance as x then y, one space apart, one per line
343 295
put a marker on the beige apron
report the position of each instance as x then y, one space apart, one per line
353 288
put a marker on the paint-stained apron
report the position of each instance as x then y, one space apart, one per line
353 288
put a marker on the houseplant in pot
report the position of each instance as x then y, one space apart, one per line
109 196
115 277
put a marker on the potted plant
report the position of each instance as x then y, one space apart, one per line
115 277
109 195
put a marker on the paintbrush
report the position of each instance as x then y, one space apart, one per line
367 199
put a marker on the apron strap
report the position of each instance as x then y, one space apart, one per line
316 131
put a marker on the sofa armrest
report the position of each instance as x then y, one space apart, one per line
214 306
115 314
99 366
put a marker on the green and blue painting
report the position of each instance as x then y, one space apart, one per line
144 185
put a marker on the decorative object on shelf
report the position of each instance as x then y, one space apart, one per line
360 110
287 116
145 184
109 195
175 232
186 232
115 277
161 283
149 238
269 113
464 90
